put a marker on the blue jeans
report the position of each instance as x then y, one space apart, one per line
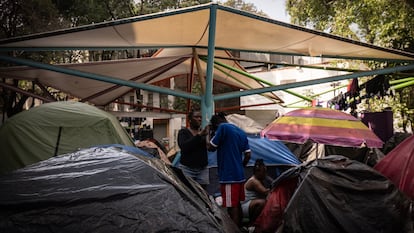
201 176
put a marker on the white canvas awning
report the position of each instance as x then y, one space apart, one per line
189 27
209 27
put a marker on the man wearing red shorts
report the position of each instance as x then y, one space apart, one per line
231 144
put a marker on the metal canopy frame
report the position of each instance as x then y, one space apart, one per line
269 37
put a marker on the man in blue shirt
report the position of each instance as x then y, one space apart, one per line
231 144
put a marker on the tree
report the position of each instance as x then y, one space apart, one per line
386 23
241 5
18 18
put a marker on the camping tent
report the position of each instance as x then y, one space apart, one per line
105 190
245 123
398 166
56 128
334 194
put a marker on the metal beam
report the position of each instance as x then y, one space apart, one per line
260 80
236 94
23 92
152 73
157 115
97 77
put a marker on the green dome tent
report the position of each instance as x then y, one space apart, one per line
56 128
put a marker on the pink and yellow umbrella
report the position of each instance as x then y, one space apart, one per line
321 125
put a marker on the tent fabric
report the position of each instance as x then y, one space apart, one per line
336 194
150 145
129 149
398 166
190 27
105 190
56 128
272 153
247 124
272 214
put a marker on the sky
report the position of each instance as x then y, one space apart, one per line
275 9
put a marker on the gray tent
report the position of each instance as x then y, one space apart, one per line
106 190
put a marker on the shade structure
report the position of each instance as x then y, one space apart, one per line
398 164
321 125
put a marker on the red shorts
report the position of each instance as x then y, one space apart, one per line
232 194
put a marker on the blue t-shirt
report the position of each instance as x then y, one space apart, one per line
231 142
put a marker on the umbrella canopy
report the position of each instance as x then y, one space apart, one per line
398 166
321 125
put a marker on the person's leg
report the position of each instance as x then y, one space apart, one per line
232 195
203 178
245 206
255 208
236 214
188 171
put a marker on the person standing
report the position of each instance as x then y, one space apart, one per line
233 154
192 143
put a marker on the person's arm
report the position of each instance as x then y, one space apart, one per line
247 155
186 141
209 141
259 187
210 146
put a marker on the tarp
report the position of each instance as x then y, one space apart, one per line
247 124
105 190
272 153
398 166
336 194
56 128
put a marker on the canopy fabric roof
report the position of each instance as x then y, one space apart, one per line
189 27
210 29
166 63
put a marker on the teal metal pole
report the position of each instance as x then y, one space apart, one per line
102 78
207 103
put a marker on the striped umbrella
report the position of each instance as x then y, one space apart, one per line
321 125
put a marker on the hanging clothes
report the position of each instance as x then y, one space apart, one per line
353 88
377 86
